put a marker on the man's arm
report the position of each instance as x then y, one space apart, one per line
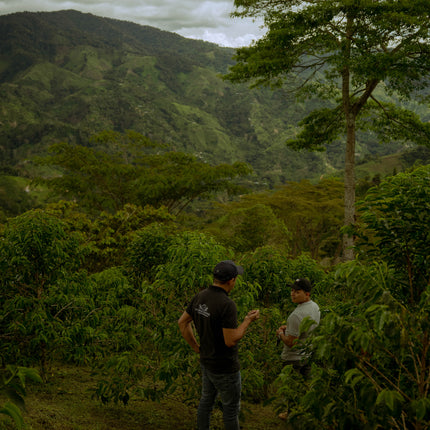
187 331
289 339
233 335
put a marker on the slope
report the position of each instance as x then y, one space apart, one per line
67 75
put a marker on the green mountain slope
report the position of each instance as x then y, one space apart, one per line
67 75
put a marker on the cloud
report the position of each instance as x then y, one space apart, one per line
206 20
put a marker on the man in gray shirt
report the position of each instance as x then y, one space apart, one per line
290 334
293 352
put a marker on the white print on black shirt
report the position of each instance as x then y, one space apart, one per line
203 310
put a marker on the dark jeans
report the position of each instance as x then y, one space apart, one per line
228 386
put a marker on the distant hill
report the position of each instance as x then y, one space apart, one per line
67 75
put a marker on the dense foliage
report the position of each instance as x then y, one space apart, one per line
372 356
100 278
299 217
14 199
394 216
119 314
352 54
131 169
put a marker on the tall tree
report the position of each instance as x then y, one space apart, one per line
349 52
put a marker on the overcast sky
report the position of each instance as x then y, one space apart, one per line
198 19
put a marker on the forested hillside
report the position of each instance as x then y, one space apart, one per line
120 151
65 76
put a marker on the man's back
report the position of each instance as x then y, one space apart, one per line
212 310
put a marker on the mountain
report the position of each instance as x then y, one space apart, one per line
67 75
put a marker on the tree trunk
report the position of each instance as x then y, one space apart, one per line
350 118
349 175
349 182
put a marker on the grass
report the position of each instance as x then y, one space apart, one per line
66 403
384 166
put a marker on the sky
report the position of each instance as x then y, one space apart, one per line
196 19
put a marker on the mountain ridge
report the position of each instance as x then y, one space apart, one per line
66 75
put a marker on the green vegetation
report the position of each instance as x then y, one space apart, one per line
15 196
12 385
83 294
351 55
78 75
394 221
126 171
130 169
298 217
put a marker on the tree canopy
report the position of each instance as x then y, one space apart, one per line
299 216
349 52
129 168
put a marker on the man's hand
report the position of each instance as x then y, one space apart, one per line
281 330
288 340
253 315
233 335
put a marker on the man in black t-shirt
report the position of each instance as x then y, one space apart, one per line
215 317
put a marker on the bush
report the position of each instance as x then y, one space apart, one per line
148 250
394 228
273 271
373 357
246 229
270 269
40 287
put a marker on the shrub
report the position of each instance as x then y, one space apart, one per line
148 250
394 228
373 358
39 287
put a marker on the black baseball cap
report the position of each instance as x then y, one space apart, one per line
302 284
226 270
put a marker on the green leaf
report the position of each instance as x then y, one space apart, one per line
421 407
14 412
28 373
306 324
389 398
15 394
353 376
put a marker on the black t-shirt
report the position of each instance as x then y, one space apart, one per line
212 310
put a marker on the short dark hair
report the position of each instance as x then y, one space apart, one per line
302 284
226 270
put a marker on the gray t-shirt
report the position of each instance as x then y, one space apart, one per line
307 309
